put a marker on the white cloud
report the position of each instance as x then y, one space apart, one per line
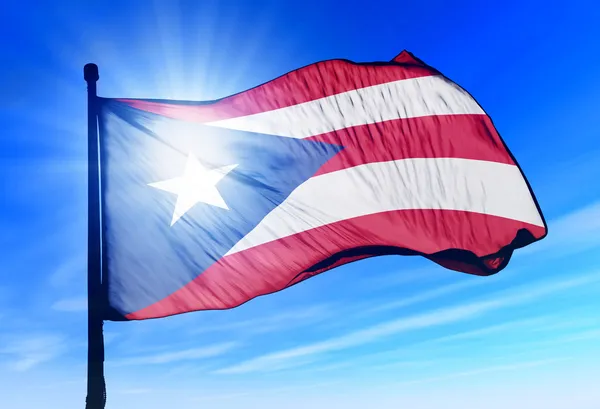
275 322
581 336
492 329
586 335
110 336
429 295
405 276
572 233
137 391
402 365
485 370
28 351
69 272
564 322
389 356
433 318
330 367
263 393
73 304
176 356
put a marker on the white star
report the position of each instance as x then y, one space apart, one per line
198 184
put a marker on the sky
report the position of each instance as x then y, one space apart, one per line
387 332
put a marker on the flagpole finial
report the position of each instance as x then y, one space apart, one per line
90 73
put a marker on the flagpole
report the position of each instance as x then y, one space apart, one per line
96 392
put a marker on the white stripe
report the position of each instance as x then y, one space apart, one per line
410 98
441 183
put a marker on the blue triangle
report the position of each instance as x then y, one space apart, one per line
139 240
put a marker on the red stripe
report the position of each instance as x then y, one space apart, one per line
305 84
273 266
444 136
407 58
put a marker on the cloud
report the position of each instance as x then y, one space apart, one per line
586 335
404 276
365 361
28 351
574 232
330 367
110 336
293 318
489 369
69 272
137 391
403 365
581 336
73 304
262 392
428 295
492 329
367 309
433 318
564 322
177 356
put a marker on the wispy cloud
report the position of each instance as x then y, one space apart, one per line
331 367
428 295
73 304
402 277
262 392
492 329
391 357
27 351
586 335
70 271
374 306
276 322
110 336
489 369
177 356
137 391
572 233
364 365
402 364
433 318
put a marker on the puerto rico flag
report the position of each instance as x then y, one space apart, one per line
206 205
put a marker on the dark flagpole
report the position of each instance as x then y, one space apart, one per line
96 392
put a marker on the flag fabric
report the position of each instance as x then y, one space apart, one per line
206 205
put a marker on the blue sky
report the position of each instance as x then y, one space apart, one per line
388 332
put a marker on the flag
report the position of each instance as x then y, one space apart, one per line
206 205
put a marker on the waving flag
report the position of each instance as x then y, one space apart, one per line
206 205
